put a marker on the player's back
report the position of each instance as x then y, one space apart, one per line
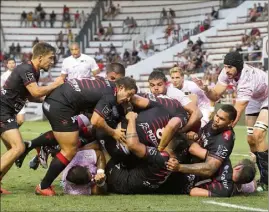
83 94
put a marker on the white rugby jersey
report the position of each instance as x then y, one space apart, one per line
252 84
190 87
81 67
178 95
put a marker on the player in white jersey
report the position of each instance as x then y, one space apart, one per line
78 65
11 64
158 86
252 96
193 91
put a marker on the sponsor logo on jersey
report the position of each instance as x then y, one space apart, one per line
29 76
106 111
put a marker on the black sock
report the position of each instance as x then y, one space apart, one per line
57 165
46 139
262 162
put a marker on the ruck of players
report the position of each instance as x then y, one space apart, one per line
107 137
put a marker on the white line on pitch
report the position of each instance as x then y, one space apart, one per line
237 154
235 206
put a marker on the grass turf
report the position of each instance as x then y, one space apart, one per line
22 183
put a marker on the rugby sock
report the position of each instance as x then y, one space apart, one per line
57 165
45 139
262 162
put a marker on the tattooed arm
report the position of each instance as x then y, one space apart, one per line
132 140
206 169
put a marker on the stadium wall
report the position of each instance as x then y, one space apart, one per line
230 16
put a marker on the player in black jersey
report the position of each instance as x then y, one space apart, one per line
61 107
217 142
20 87
147 176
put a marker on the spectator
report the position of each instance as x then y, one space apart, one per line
109 32
118 9
172 15
77 19
24 18
62 49
163 16
252 15
35 41
133 23
135 58
259 9
70 36
101 32
36 19
43 18
190 43
18 51
126 57
151 45
101 49
66 20
52 19
214 13
126 24
65 9
98 57
112 10
82 19
199 42
38 9
60 39
207 22
30 18
12 50
238 48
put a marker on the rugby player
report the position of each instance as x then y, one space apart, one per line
158 86
217 142
11 64
85 175
147 175
78 65
193 91
21 86
252 97
61 107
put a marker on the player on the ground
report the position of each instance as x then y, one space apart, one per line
195 93
85 174
147 176
217 142
252 96
61 107
11 64
20 86
78 65
158 86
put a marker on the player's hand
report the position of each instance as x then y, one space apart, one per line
192 136
131 116
198 82
172 165
100 178
58 81
119 135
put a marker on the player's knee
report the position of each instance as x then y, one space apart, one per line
70 152
258 136
251 140
18 149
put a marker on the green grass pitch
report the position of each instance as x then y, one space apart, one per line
22 183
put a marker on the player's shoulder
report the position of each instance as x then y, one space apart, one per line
87 57
68 59
227 135
24 66
173 91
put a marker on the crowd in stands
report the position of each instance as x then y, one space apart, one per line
39 18
258 13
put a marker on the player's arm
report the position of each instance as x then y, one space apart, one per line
215 93
94 67
169 131
196 150
64 76
195 116
206 169
143 103
40 91
132 140
240 107
95 72
101 161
